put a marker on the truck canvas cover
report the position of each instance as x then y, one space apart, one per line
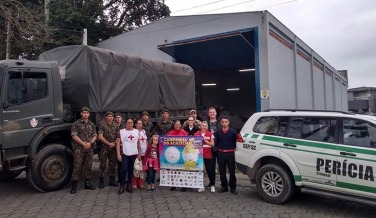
108 80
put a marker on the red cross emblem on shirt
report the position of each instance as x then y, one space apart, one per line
131 137
142 139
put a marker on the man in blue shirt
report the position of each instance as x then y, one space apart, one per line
225 139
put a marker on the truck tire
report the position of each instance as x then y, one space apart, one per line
9 175
275 184
51 168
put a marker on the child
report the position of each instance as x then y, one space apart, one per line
151 165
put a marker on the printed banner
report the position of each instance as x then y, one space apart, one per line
186 179
181 152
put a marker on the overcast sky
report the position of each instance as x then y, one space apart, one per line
343 32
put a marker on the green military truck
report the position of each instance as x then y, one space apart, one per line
41 99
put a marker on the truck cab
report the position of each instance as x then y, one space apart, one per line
34 137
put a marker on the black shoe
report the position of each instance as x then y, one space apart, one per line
233 191
223 190
88 185
121 190
172 188
74 187
129 188
183 189
112 182
101 182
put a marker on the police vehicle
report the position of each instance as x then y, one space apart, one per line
331 153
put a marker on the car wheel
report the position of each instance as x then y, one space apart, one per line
51 168
275 184
8 175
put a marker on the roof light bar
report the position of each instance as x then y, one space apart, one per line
209 84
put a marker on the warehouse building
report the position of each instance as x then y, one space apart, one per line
362 99
244 62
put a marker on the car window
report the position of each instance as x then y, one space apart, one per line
359 133
271 125
313 128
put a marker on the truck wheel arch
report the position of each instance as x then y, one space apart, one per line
45 133
273 156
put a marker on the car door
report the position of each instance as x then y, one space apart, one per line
357 157
27 105
312 143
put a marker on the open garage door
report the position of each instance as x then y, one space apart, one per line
225 75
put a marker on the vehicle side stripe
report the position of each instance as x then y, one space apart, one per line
245 135
356 187
298 178
319 145
254 136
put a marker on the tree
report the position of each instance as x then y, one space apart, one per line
68 19
130 14
32 35
29 30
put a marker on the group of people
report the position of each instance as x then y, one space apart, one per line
137 142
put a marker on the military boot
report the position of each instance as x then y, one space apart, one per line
112 182
101 182
88 185
74 187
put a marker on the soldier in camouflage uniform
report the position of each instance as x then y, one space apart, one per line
118 121
146 125
165 125
84 136
107 135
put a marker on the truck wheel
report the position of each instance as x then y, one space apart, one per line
8 175
51 168
275 184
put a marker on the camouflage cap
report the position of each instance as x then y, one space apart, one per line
85 109
192 111
119 114
109 113
165 111
144 113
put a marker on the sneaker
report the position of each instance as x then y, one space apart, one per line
153 190
212 189
183 189
149 190
201 190
172 188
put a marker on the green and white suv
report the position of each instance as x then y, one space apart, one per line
319 152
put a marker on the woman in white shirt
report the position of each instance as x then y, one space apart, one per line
131 149
137 179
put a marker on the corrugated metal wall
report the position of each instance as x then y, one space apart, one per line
298 76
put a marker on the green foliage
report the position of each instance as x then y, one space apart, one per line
67 20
